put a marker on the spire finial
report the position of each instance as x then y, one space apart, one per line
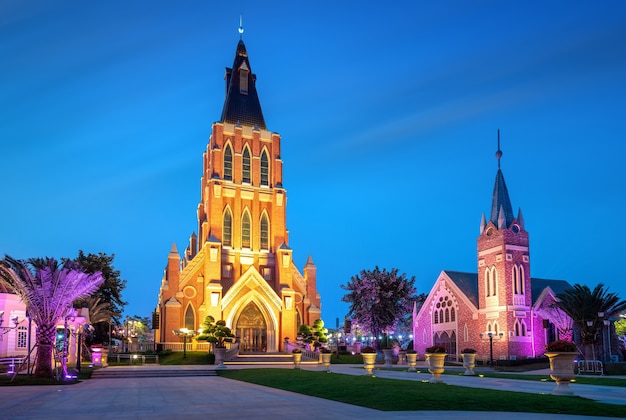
240 27
498 152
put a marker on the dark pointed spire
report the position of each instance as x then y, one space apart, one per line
501 210
242 105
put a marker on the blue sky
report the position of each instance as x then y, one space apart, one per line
388 115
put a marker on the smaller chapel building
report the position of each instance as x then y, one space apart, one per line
501 307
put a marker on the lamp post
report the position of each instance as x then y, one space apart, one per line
184 332
491 336
593 338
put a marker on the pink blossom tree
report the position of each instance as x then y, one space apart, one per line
48 291
379 299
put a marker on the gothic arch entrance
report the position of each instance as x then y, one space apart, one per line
252 329
447 341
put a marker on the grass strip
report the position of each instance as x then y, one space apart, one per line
397 395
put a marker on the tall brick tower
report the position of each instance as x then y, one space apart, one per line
240 267
504 289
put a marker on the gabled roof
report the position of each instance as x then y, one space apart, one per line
468 284
539 285
242 107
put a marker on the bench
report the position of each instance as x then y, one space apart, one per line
590 366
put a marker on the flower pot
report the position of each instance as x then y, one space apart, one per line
469 361
412 361
388 355
369 360
402 357
562 371
297 358
220 355
326 361
435 366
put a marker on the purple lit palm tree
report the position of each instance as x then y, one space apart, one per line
48 291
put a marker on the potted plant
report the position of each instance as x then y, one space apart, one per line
562 355
297 357
369 359
326 354
435 356
218 334
411 357
469 361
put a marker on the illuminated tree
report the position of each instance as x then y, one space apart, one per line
583 305
379 299
48 291
109 293
314 334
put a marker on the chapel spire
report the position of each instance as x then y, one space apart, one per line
501 210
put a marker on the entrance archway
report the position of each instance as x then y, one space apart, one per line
447 341
252 329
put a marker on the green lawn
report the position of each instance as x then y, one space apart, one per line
396 395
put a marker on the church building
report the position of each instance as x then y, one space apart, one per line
239 267
500 311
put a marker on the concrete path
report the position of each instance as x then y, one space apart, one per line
215 397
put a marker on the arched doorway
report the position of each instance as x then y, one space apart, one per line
252 330
447 341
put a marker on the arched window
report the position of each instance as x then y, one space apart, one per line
440 315
520 278
487 282
227 229
523 328
245 230
517 328
265 232
436 317
489 327
246 168
494 281
265 169
228 163
465 333
515 280
452 315
190 319
495 328
447 315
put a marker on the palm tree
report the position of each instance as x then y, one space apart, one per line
48 291
583 305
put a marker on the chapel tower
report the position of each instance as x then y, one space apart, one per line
239 267
504 288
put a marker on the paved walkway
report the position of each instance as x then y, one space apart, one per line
201 397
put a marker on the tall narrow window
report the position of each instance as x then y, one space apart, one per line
243 81
515 280
228 163
265 233
447 315
436 317
190 321
245 230
520 278
246 166
487 282
494 281
227 229
452 315
22 337
265 169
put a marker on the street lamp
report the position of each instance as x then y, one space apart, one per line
184 332
491 336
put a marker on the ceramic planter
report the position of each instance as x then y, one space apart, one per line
562 371
326 361
435 366
369 360
402 357
297 358
412 361
388 355
220 355
469 361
